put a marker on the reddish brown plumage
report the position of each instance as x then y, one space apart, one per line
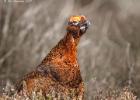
59 71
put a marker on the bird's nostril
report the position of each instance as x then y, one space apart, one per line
88 22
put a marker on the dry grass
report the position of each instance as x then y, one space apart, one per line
119 94
110 94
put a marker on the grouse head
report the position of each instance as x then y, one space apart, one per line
77 25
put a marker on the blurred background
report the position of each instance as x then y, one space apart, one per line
109 54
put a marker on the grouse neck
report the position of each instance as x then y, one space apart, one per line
70 47
72 39
65 49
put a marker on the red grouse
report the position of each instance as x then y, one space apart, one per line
59 72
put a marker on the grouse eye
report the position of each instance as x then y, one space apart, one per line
74 23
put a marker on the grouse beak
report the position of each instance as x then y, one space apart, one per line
84 26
